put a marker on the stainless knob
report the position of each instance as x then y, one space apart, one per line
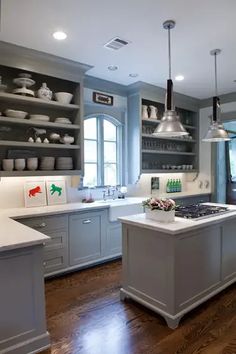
88 221
43 224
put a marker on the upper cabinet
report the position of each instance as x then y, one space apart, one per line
150 154
48 130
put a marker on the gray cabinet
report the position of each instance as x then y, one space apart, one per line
228 250
60 75
87 237
149 154
77 239
114 239
22 305
56 248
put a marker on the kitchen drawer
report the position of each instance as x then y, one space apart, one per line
58 239
46 224
55 260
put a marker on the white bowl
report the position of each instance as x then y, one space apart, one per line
40 117
8 164
15 114
63 97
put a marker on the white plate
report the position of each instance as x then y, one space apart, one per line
40 117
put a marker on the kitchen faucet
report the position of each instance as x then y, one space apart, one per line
109 191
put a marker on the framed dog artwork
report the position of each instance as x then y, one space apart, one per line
35 194
56 192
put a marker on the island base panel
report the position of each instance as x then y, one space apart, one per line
172 274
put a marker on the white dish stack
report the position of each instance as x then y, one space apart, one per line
47 163
64 163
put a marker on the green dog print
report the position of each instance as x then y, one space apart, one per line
54 189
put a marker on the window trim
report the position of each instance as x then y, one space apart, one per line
100 117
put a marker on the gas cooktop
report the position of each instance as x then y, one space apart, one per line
199 211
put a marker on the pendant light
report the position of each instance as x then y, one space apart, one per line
216 131
170 125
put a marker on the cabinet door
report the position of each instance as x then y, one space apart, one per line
114 239
86 237
55 260
228 250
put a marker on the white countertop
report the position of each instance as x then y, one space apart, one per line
14 235
180 225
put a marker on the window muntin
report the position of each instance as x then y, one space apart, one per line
101 151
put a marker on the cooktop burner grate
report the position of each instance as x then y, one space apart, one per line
199 211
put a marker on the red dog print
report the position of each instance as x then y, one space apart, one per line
34 191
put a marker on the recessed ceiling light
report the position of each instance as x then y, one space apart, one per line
133 75
59 35
179 78
112 67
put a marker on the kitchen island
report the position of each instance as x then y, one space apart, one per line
172 268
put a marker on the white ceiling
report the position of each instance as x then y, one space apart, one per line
201 25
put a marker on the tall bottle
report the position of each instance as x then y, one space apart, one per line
180 185
168 186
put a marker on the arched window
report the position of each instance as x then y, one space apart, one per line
102 157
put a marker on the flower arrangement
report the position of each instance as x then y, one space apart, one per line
159 204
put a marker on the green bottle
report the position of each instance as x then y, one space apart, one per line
180 185
171 186
174 185
168 186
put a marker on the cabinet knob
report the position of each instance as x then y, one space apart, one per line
40 226
88 221
44 243
44 264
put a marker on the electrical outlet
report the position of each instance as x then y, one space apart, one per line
200 184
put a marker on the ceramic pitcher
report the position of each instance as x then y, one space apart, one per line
144 112
153 112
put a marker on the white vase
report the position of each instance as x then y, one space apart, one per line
160 215
144 112
153 114
44 92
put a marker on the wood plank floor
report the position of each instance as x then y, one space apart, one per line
85 316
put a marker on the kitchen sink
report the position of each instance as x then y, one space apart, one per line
123 207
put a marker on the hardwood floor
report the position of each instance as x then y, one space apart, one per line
85 316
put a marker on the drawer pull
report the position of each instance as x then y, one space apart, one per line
44 243
88 221
40 226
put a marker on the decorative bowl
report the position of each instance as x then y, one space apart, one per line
15 114
40 117
67 139
63 97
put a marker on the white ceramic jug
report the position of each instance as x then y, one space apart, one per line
144 112
154 111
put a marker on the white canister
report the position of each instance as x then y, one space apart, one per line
19 164
32 163
8 164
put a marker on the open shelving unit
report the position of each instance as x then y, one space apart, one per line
150 154
15 132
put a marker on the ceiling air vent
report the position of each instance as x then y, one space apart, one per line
116 43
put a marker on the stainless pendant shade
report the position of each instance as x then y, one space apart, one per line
216 131
170 125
